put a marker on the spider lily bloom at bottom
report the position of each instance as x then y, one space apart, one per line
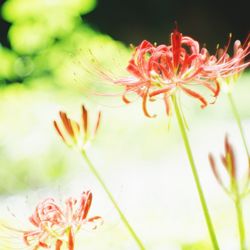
56 225
164 69
76 133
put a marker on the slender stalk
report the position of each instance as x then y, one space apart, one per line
238 205
195 174
240 219
122 216
238 120
239 124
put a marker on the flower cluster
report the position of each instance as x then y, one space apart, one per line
227 68
56 225
182 65
74 133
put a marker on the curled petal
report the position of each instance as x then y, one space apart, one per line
133 69
163 90
167 104
29 236
195 95
144 105
145 45
48 210
216 91
214 87
194 45
125 99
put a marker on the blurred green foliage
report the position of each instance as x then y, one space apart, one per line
41 72
44 36
39 24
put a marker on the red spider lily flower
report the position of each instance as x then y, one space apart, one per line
227 68
56 225
162 70
74 133
228 160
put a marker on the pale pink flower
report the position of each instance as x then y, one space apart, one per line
56 225
225 68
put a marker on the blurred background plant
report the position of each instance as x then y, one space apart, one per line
44 52
40 64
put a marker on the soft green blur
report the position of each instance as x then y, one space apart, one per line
55 63
42 71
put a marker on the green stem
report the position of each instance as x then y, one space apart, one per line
240 219
239 124
238 120
195 174
122 216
